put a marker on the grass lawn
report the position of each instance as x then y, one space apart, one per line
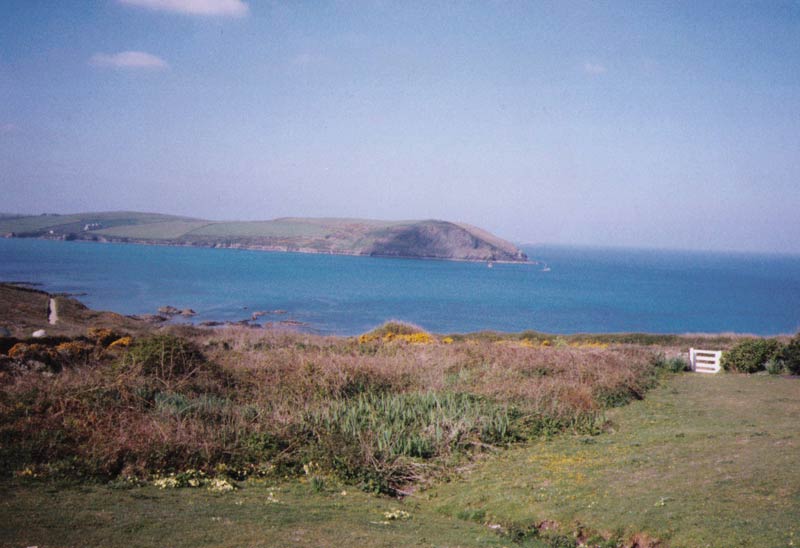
291 514
702 461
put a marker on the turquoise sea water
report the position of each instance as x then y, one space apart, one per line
586 289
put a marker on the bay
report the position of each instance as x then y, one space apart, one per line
585 290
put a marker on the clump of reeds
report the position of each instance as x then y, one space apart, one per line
376 438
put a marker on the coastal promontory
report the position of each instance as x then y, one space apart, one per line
427 239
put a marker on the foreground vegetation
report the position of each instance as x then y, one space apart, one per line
386 411
703 461
270 438
770 355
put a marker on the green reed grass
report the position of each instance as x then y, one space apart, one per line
417 424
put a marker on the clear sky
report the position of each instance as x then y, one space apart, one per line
651 124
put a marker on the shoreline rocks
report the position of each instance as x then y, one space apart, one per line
168 310
150 318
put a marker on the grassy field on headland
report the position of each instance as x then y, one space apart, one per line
432 239
126 434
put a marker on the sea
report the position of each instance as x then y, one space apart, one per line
568 289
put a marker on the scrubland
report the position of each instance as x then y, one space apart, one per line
386 410
397 437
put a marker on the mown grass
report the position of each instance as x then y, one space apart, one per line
258 515
704 461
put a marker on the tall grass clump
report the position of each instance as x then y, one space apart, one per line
388 432
675 364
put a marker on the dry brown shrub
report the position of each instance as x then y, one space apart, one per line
240 395
296 370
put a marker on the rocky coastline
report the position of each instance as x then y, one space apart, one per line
429 240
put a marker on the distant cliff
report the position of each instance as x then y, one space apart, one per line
412 239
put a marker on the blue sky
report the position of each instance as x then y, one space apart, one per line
651 124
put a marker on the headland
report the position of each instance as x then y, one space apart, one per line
426 239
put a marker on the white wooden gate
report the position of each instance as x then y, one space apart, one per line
705 361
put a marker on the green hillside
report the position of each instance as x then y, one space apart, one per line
415 239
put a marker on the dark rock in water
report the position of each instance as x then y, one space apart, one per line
258 314
292 322
150 318
210 323
245 323
187 312
169 310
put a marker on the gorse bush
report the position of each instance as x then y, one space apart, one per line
790 355
102 335
397 331
395 327
163 357
751 355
